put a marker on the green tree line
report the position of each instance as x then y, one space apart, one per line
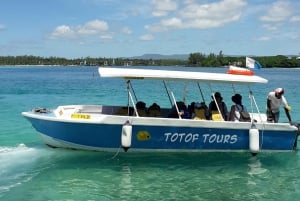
195 59
213 60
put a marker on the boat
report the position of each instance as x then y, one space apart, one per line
250 64
239 71
113 127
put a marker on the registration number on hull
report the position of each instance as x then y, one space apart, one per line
80 116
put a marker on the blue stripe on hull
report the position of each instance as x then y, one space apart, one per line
209 138
162 137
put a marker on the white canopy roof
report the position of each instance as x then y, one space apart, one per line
130 73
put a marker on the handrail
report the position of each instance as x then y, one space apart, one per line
132 90
175 104
213 95
253 99
133 104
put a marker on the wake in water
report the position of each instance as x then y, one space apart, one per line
16 166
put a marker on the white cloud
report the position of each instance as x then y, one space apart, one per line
147 37
172 22
270 27
279 11
163 7
126 30
106 36
264 38
295 19
92 27
63 31
95 27
202 16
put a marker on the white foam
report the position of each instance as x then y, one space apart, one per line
12 156
16 166
256 167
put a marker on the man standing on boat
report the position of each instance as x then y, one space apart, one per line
274 100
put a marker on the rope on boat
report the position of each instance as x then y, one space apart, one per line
201 92
166 87
117 153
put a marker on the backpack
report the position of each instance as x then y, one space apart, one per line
244 116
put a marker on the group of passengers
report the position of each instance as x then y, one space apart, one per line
216 110
152 111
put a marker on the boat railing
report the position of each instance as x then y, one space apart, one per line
175 104
217 105
133 104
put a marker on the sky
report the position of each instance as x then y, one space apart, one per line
126 28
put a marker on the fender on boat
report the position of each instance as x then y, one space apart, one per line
254 140
126 135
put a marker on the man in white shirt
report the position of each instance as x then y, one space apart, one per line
274 100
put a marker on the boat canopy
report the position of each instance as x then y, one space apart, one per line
130 73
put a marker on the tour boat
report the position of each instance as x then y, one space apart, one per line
137 129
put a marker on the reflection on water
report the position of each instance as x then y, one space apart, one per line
126 186
255 167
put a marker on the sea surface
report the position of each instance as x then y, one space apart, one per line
31 171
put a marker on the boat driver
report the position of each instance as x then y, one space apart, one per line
274 100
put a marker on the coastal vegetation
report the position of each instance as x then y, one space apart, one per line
194 59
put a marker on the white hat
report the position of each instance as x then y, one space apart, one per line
279 91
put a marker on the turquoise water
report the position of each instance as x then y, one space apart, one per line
29 170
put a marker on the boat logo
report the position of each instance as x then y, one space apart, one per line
143 136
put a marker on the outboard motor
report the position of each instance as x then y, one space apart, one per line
298 133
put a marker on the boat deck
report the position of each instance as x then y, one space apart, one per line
96 110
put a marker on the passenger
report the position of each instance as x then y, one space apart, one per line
125 111
191 108
154 110
238 111
200 111
183 111
274 100
213 110
141 108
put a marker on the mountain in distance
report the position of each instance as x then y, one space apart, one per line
160 56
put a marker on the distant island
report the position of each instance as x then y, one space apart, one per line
193 59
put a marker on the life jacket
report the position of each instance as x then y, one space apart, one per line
216 116
200 114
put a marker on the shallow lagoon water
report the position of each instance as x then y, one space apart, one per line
29 170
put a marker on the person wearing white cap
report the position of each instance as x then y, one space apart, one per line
274 100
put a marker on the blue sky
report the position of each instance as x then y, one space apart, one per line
125 28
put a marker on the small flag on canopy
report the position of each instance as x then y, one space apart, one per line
251 63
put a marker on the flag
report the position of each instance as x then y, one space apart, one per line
251 63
